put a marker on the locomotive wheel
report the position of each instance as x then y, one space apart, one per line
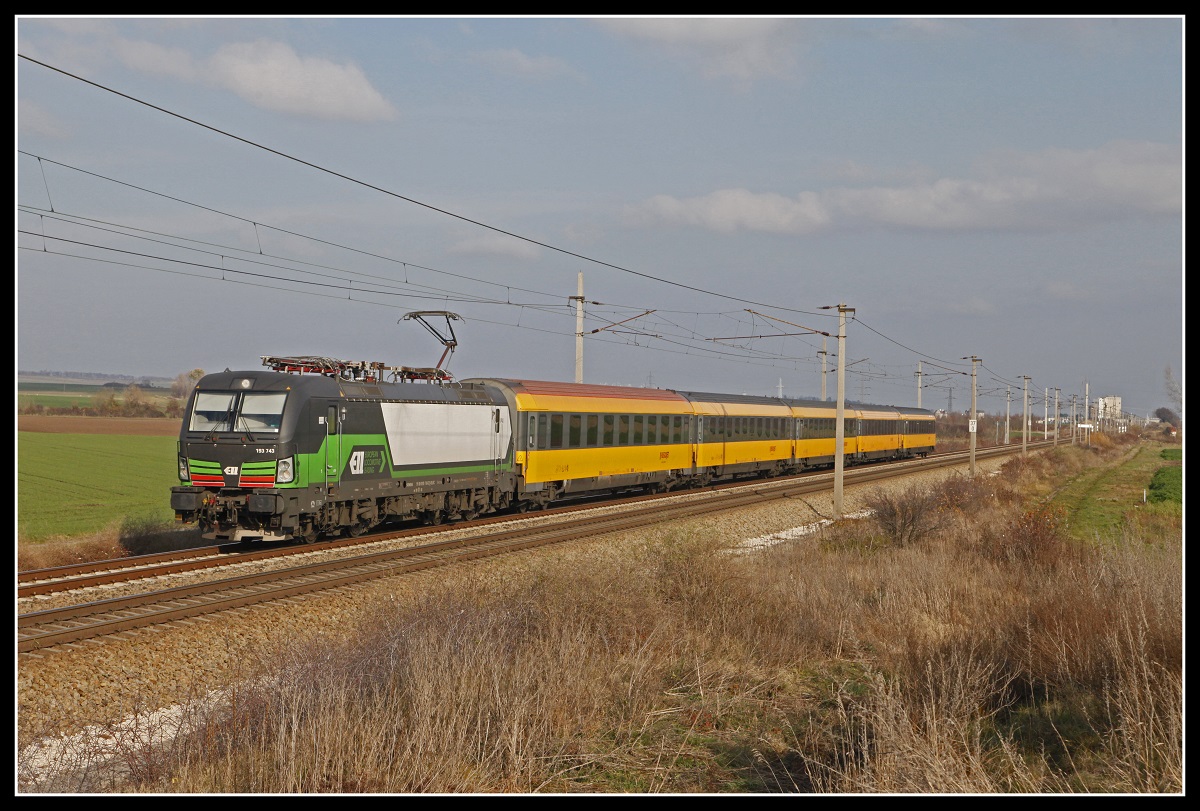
309 534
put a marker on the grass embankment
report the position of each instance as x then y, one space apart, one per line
1104 500
989 652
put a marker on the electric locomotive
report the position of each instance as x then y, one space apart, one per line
315 446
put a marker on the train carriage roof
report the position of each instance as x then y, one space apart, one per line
914 412
546 395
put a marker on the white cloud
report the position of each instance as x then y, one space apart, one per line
34 120
737 209
271 75
1123 174
513 62
1049 189
495 245
267 74
971 305
148 57
742 48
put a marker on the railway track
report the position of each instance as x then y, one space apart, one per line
50 629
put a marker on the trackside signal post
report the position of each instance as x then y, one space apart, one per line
972 422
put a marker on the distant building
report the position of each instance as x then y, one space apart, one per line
1108 408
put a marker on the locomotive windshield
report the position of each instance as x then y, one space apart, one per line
258 412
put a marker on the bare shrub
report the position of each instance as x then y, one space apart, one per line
1033 536
145 535
894 739
960 492
904 517
850 535
1145 723
104 402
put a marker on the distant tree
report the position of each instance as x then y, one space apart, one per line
105 401
184 382
1174 389
1168 416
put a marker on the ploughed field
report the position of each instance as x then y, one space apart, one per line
132 426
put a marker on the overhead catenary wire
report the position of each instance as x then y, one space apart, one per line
397 195
438 293
456 296
437 209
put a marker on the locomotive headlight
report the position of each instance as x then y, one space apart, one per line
283 471
183 469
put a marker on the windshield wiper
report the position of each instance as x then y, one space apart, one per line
245 431
226 420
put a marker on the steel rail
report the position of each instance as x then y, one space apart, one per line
51 627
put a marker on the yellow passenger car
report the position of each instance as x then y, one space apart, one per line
741 434
574 437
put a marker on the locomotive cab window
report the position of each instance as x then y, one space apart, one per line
213 411
228 411
261 412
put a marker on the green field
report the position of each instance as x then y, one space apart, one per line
62 388
54 400
77 484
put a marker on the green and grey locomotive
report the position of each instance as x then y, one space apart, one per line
284 453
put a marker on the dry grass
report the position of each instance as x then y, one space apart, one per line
987 653
118 540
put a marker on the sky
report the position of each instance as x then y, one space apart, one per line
201 192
